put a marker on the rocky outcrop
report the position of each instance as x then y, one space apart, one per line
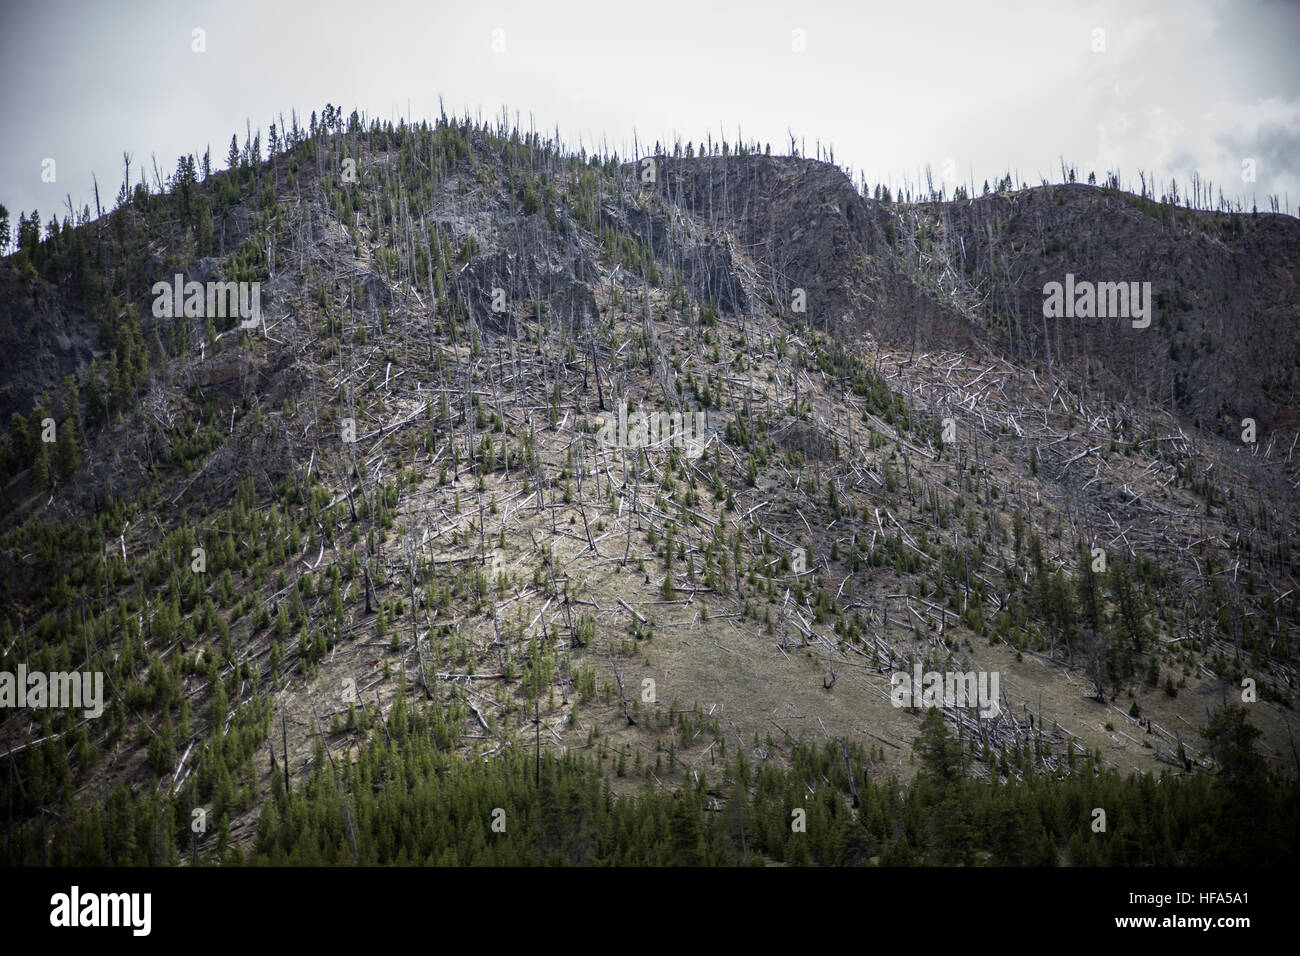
831 252
1222 342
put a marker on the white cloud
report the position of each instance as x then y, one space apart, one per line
891 86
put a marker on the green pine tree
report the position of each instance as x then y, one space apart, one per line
684 833
68 454
41 465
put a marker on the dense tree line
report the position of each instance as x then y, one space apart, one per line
408 798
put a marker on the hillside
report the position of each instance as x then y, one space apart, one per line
387 513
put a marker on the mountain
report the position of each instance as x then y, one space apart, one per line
414 519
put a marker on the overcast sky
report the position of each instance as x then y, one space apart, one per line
1175 87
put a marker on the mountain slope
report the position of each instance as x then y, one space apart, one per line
394 490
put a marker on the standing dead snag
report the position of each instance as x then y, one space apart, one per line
284 745
848 766
415 639
369 588
537 729
621 695
829 680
